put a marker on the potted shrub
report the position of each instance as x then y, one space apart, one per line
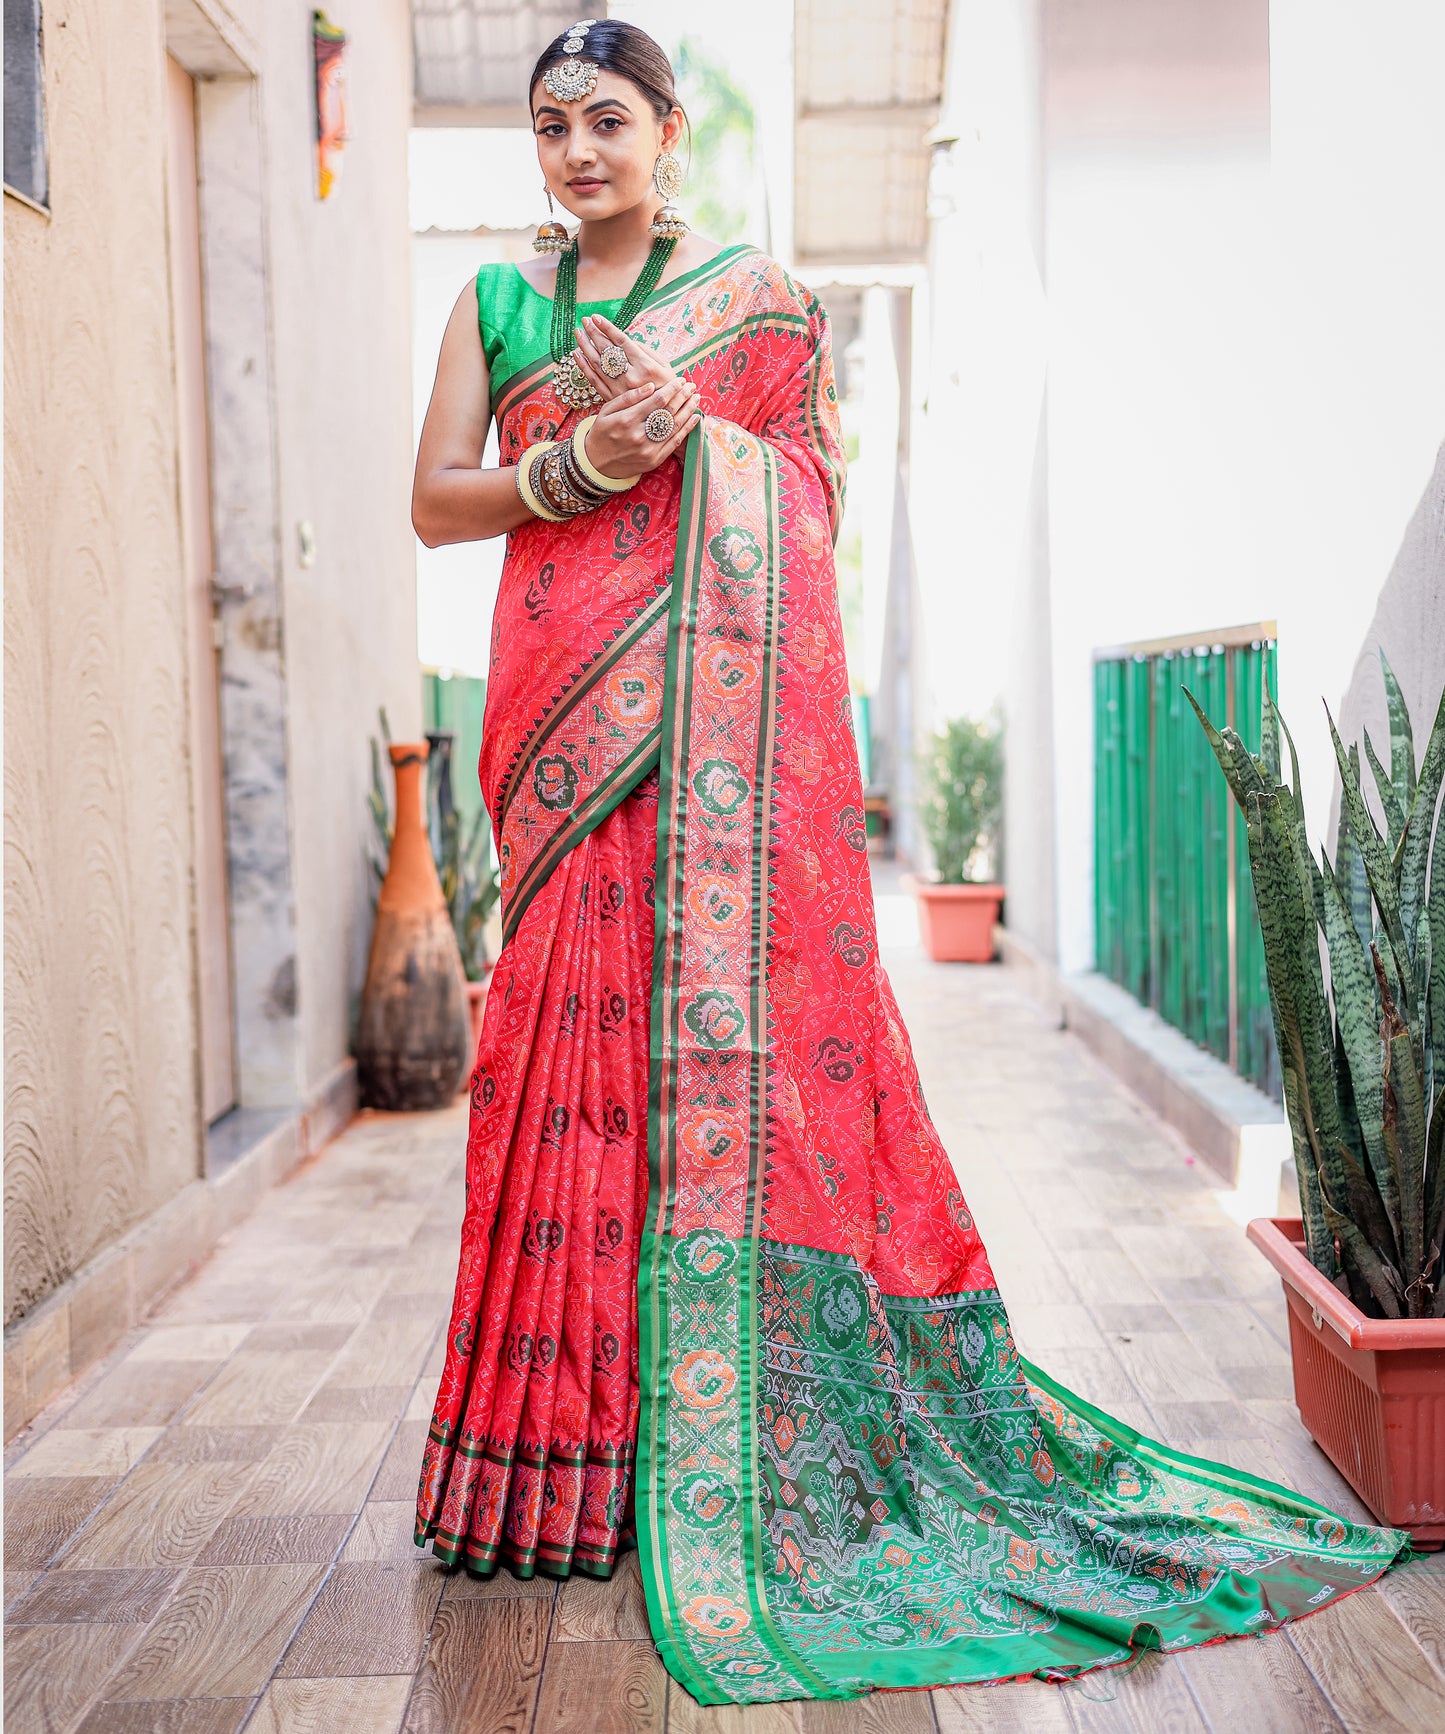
1363 1063
960 806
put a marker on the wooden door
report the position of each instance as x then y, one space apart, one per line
213 926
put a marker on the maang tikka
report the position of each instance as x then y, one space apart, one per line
669 224
574 78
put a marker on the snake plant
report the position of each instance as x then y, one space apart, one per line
1363 1058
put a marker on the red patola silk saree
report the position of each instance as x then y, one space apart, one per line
718 1281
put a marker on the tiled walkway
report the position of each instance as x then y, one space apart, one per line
213 1532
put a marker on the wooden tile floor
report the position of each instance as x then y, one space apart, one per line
212 1532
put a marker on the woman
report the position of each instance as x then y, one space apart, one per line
718 1281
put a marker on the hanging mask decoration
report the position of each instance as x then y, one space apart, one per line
329 50
574 78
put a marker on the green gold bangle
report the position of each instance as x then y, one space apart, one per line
524 483
608 484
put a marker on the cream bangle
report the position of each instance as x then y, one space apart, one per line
524 483
608 484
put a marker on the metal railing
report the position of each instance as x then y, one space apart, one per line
1174 916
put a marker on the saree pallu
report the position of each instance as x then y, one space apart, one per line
709 1219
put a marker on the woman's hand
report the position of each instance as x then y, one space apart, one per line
617 441
644 366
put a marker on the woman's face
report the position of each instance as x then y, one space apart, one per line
597 154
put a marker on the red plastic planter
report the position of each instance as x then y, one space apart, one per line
1370 1391
956 921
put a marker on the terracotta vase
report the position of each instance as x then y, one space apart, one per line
1370 1391
413 1046
956 922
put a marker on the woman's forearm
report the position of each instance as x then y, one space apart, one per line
465 505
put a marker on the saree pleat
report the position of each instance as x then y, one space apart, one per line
719 1282
530 1460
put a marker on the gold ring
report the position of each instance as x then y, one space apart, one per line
659 425
613 361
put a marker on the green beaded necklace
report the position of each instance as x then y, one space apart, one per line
571 385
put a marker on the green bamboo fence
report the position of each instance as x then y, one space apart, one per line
1174 915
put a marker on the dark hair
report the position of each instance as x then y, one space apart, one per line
618 47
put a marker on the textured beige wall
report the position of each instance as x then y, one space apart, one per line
102 1124
341 283
100 1098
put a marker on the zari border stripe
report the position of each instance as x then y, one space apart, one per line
761 901
581 823
668 875
529 376
750 325
591 673
703 1655
1166 1459
652 1306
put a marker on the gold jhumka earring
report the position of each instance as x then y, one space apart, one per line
669 224
551 236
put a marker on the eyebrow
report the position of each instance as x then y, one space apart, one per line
591 108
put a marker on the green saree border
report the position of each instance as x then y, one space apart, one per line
742 1568
1158 1455
651 1268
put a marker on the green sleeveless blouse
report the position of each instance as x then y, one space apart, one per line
516 320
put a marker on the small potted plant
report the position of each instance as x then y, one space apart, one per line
1363 1064
960 807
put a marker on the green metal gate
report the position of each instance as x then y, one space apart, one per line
1174 915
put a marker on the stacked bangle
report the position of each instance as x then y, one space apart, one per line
608 484
556 480
526 483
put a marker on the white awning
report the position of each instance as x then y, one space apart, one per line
473 56
869 85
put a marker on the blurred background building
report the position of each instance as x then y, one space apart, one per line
1136 312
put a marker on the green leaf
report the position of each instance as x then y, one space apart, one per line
1269 737
1357 1017
1319 1241
1350 867
1241 770
962 793
1306 869
1402 740
1435 1197
1420 825
1304 1030
1403 1129
1272 709
1435 995
1366 1269
1378 866
1361 1203
1390 797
